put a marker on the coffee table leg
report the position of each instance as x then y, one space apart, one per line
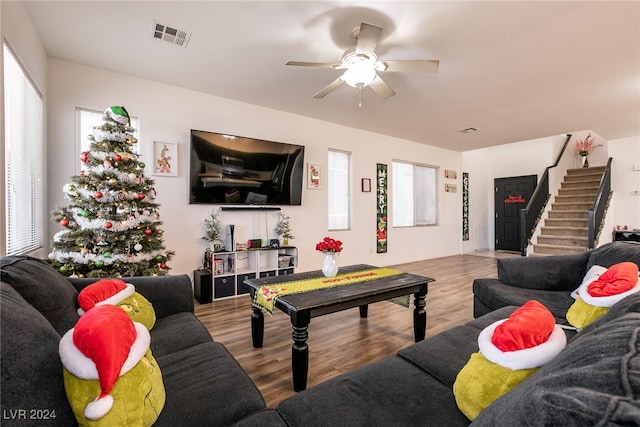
420 314
300 350
364 311
257 327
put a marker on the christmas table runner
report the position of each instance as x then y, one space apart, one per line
266 296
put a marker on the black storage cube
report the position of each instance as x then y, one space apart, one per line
242 287
224 286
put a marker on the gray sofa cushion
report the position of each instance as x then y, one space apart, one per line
205 386
31 368
494 294
443 355
177 332
44 288
265 418
595 380
391 392
614 253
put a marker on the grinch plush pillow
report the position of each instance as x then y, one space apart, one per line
510 350
121 294
595 297
110 375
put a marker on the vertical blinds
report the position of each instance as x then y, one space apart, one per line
24 146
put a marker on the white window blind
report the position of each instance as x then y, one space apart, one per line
414 194
338 182
23 152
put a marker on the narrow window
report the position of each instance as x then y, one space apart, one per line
23 160
414 194
339 184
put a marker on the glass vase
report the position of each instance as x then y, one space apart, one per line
329 265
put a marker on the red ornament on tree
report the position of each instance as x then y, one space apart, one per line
64 222
141 196
84 156
108 225
163 265
97 194
117 157
148 231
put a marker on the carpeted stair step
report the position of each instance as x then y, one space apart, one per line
568 214
580 183
577 206
566 222
571 241
564 231
578 191
556 249
575 198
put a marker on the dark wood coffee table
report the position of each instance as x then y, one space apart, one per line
303 306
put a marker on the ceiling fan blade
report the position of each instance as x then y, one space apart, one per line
331 86
410 65
315 64
368 38
381 88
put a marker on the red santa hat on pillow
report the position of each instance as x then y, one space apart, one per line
103 345
528 339
617 282
104 291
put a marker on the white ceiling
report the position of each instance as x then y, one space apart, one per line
515 70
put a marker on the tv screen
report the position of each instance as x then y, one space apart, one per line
234 170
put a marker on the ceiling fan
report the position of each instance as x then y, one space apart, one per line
362 65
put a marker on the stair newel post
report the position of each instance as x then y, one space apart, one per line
591 224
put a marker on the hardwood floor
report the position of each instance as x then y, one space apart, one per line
341 342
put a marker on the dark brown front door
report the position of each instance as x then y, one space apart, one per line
511 195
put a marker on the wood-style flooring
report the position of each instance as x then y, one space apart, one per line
341 342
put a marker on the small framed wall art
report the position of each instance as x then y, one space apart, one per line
366 185
314 176
165 158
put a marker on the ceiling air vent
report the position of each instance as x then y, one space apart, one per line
468 130
169 34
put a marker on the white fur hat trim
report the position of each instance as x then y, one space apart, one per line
99 407
607 301
592 275
528 358
83 367
115 298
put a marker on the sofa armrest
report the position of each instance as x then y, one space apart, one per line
549 273
168 294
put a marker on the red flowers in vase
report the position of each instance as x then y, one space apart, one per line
329 245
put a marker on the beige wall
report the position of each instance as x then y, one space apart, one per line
168 113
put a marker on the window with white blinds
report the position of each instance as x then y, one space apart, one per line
338 182
23 158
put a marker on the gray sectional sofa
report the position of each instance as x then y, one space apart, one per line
595 380
548 279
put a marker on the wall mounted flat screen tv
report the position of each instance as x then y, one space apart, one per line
234 170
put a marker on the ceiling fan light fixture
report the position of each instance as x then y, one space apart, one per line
359 75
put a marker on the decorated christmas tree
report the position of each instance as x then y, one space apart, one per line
111 227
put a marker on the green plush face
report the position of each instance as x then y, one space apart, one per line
139 310
138 396
581 314
480 382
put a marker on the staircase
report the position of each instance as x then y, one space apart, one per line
565 231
